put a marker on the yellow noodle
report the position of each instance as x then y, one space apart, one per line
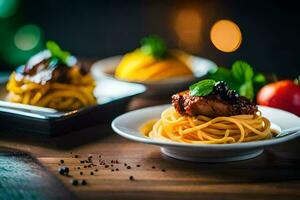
204 130
78 93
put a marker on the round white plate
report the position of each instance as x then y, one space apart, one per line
200 67
128 124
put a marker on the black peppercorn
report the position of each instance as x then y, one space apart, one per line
66 170
82 182
74 182
61 170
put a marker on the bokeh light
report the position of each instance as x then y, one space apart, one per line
188 26
8 8
27 37
226 36
22 44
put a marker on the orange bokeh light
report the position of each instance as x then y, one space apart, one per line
226 36
188 25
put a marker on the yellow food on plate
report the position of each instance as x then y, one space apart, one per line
52 79
153 62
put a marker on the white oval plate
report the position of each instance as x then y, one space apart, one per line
200 67
128 124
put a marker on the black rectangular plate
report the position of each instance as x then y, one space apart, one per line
113 97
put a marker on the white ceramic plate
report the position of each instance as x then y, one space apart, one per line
127 125
200 67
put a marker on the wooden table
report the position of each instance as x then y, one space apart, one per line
155 176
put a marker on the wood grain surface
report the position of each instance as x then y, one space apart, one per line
155 175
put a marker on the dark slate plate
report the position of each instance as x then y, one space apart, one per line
22 177
113 97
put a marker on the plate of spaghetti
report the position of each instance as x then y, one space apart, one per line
54 92
208 123
50 80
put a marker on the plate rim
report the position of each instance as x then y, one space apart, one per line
245 145
168 81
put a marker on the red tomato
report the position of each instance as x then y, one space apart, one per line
284 95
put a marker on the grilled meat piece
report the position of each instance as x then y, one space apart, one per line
43 68
212 105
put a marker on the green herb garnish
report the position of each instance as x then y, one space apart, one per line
58 53
202 88
241 78
154 46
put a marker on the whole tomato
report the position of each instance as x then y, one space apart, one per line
284 95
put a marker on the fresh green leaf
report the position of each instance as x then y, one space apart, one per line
259 78
202 88
56 52
240 78
242 71
222 74
155 46
247 90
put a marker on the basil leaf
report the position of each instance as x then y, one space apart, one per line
202 88
222 74
241 78
259 78
242 71
154 46
56 52
247 90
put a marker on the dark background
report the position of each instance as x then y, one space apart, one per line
98 29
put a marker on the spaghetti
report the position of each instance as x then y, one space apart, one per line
200 129
71 95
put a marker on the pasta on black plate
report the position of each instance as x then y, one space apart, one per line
52 78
